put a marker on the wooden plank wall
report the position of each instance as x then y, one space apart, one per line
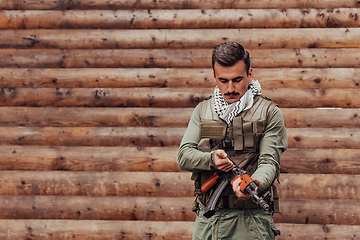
96 95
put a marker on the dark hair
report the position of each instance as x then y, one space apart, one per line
228 53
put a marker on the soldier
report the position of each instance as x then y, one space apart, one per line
235 123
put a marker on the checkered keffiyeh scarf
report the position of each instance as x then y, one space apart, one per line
227 112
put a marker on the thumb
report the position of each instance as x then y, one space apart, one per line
236 184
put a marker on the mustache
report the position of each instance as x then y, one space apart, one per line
232 93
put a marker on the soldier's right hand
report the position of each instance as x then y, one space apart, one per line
222 162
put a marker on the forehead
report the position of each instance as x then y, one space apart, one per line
238 69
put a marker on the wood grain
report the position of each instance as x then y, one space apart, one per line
182 18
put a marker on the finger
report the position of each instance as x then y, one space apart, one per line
227 162
229 168
226 166
242 196
221 153
222 162
257 182
230 165
221 167
238 191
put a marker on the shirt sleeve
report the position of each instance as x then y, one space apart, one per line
272 145
189 158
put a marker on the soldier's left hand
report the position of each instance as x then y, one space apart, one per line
238 192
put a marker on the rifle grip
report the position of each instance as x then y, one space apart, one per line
209 183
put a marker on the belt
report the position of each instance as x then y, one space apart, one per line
232 201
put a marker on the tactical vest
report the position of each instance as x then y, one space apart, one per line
240 141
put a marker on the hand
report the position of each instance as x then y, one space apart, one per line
222 162
238 192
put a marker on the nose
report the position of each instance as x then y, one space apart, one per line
231 87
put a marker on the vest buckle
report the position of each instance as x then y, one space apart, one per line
228 143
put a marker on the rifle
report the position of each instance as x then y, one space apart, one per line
247 186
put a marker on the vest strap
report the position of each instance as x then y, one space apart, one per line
238 134
248 134
275 195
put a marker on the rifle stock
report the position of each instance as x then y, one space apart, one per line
209 183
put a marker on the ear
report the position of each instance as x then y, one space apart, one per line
251 74
214 74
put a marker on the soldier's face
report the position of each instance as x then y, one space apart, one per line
232 81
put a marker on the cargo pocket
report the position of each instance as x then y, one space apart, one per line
262 225
203 229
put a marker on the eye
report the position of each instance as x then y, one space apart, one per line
237 80
223 80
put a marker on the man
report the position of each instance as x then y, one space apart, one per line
236 123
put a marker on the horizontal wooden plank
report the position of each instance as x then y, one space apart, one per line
318 186
182 19
169 97
323 138
317 231
95 117
89 136
177 58
159 117
305 138
321 118
307 77
328 161
123 159
160 159
97 208
302 211
199 38
94 230
129 77
103 58
315 98
317 211
173 77
140 184
171 4
130 230
163 184
103 97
